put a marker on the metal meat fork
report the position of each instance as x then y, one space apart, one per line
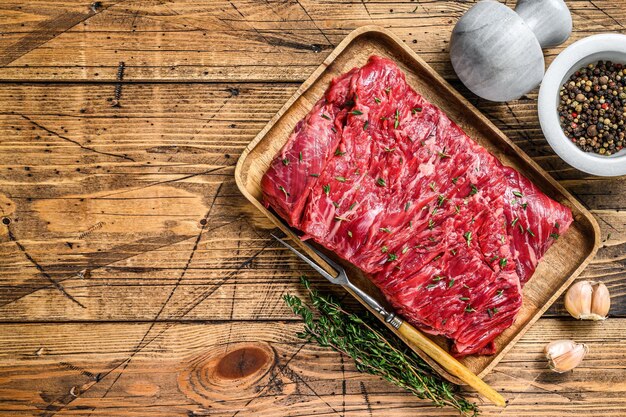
413 337
342 279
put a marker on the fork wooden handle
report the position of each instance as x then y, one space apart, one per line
449 363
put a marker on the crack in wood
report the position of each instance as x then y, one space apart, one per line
343 385
67 400
171 294
606 14
80 370
75 142
41 270
315 24
366 397
185 177
367 11
45 32
294 376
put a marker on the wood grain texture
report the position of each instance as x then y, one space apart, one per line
112 229
221 40
183 370
127 251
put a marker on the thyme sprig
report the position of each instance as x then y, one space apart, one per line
374 349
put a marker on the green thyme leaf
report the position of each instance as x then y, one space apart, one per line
281 188
468 238
442 154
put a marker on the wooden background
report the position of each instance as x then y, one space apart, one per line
134 278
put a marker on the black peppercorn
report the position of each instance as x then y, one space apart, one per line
592 107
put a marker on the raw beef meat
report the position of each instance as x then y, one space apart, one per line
387 181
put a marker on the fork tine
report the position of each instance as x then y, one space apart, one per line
329 261
306 259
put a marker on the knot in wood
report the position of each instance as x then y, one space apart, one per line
228 373
242 362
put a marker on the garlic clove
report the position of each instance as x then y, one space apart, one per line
600 302
564 355
578 299
588 300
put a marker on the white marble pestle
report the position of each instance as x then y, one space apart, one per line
496 52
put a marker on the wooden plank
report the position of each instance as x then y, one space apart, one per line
200 115
118 233
229 40
173 369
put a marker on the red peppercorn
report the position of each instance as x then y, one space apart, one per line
574 125
605 106
574 114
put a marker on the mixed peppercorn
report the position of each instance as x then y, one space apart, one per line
592 107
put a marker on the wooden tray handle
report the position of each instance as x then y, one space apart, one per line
449 363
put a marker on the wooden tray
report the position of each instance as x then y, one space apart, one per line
561 264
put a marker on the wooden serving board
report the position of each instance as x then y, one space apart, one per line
563 261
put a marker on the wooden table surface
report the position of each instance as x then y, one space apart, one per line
135 280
